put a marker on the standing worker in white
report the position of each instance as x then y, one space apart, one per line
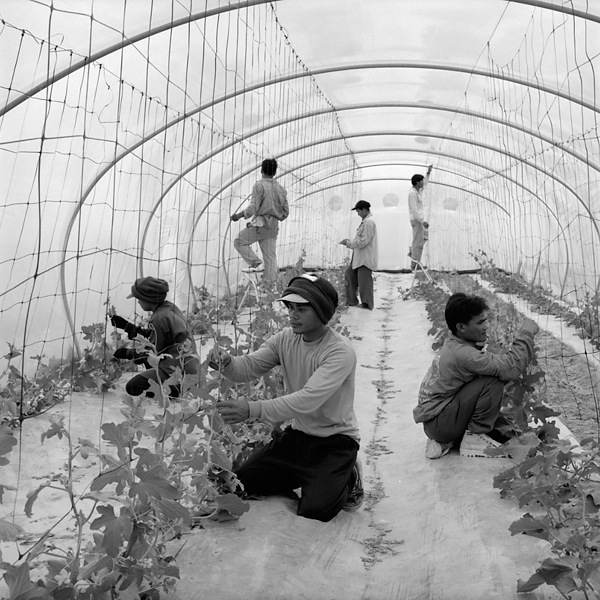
416 214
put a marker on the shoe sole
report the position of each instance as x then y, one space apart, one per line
468 450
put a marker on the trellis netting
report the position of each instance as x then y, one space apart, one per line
131 130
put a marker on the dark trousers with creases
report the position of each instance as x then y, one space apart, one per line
359 280
320 466
475 407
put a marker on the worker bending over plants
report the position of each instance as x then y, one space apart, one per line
318 451
167 331
461 394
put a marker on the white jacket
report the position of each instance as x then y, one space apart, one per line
364 245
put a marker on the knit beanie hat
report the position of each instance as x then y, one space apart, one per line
314 290
149 289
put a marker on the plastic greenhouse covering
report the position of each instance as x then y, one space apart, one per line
130 131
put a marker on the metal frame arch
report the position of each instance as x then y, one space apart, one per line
386 150
348 136
231 7
87 60
471 143
372 179
559 8
276 81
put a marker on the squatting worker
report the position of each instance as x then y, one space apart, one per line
461 394
359 274
318 451
267 207
168 332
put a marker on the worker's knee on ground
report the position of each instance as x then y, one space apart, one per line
318 513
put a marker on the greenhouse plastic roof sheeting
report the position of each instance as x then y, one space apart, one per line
130 131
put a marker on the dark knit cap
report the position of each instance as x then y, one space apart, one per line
314 290
149 289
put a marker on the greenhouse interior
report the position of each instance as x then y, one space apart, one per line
277 200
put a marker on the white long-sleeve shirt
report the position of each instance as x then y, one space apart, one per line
318 377
416 207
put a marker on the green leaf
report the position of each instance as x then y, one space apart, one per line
32 497
120 475
20 585
520 447
9 532
116 529
113 435
106 562
529 526
173 511
3 488
7 443
219 457
56 428
154 484
233 504
531 584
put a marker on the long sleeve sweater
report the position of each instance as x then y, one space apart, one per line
318 377
459 362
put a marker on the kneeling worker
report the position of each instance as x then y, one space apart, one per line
318 451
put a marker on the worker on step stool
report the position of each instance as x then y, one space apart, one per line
416 213
267 207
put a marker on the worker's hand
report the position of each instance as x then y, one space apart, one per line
530 326
120 323
429 169
234 411
236 216
344 242
218 358
426 224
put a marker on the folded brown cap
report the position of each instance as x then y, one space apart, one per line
149 289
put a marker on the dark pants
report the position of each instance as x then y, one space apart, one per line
141 382
360 280
321 467
475 407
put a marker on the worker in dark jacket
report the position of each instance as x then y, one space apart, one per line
167 331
